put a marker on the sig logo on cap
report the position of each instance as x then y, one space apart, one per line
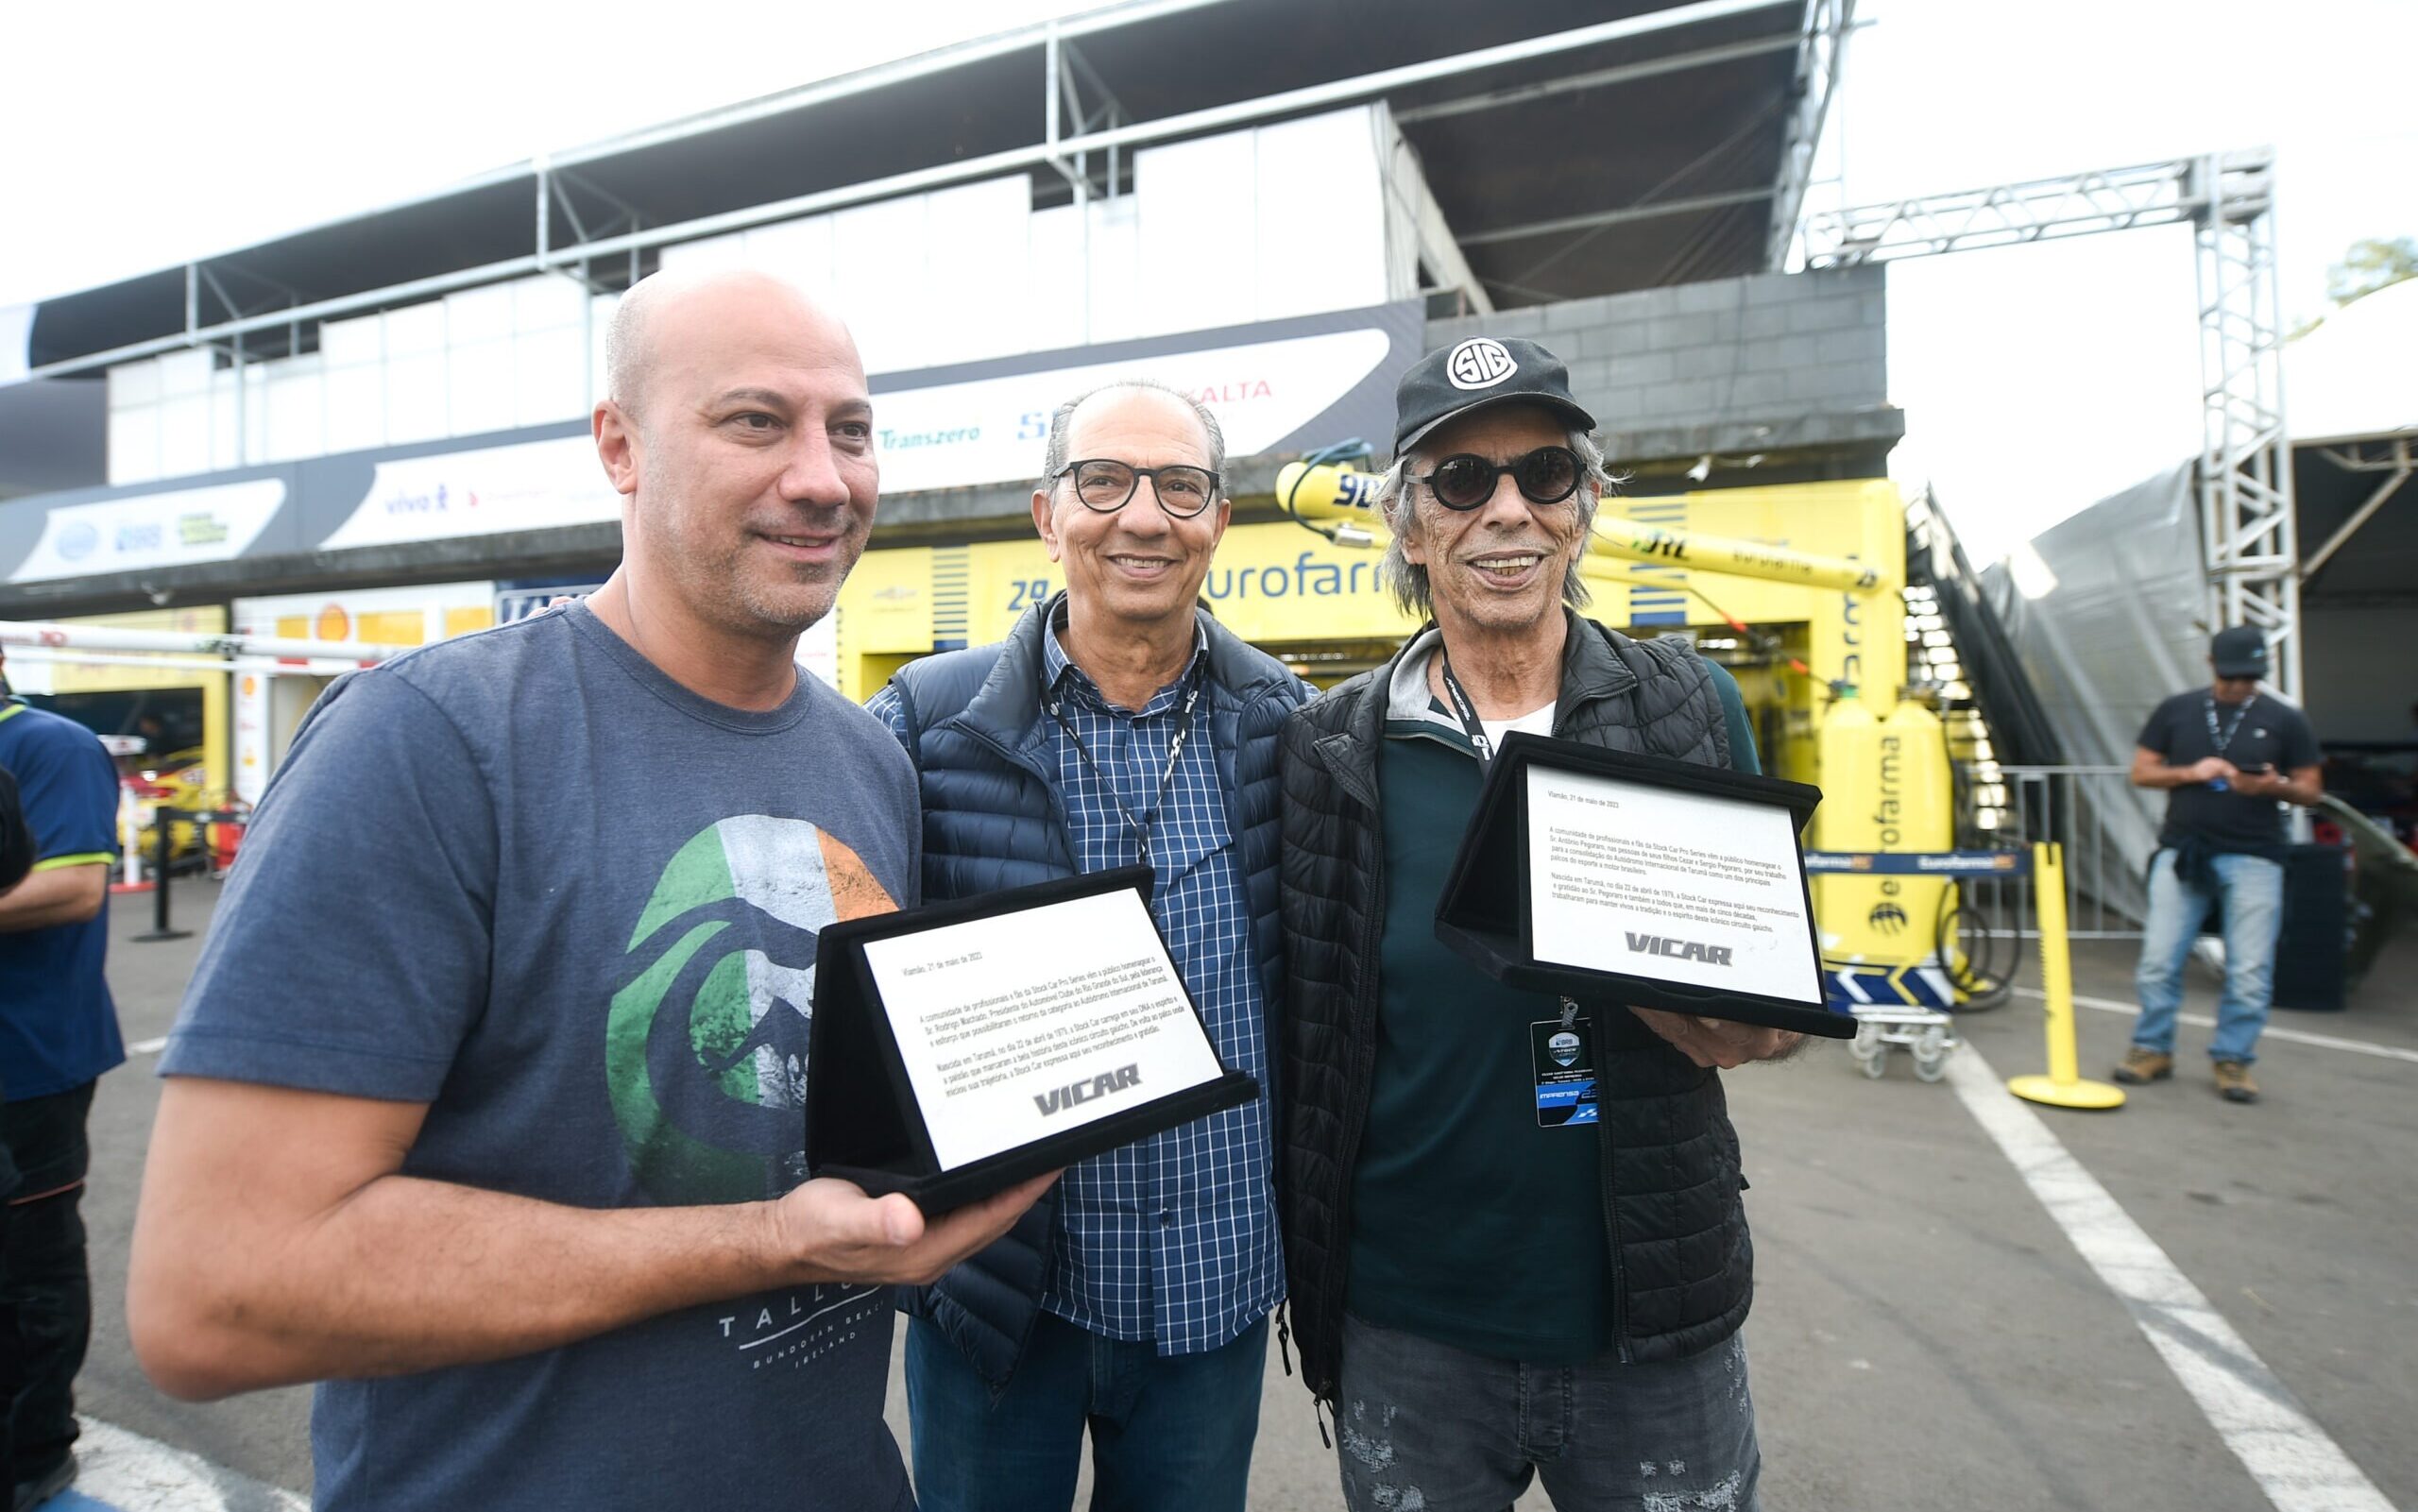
1564 1047
1480 362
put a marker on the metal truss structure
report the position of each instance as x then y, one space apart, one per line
2247 519
2392 460
1821 55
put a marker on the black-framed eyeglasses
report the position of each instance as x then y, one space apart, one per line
1104 484
1548 475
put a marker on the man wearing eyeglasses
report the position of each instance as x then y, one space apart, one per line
1117 723
1480 1294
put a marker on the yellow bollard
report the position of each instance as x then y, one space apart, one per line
2064 1086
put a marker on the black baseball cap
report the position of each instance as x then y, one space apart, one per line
2238 652
1468 375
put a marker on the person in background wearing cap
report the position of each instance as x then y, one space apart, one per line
1481 1297
57 1034
2231 753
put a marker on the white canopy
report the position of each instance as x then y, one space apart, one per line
2356 375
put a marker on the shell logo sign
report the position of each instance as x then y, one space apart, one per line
333 623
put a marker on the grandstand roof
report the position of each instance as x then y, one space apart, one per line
1524 156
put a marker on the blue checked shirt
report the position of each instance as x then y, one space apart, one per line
1172 1239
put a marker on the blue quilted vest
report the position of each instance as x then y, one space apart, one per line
993 818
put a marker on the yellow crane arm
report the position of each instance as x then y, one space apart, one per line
1341 504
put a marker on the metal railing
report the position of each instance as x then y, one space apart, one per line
2108 832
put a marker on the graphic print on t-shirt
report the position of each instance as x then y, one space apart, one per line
706 1043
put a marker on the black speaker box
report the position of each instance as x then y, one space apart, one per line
2311 952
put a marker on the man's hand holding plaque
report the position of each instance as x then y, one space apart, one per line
831 1230
967 1046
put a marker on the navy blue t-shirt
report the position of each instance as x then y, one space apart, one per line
529 880
57 1026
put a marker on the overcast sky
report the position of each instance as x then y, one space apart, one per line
2035 379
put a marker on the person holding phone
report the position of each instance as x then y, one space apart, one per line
2231 755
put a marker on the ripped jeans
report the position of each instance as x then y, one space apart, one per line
1424 1427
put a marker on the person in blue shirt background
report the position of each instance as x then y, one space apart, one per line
57 1033
16 860
16 840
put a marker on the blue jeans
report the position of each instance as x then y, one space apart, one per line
2251 890
1170 1434
1421 1425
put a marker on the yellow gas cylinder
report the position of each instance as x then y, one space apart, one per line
1918 813
1849 751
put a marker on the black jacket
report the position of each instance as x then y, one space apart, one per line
1682 1264
993 818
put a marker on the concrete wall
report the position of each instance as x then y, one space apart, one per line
1771 363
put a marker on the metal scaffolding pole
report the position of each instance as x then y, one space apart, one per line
2036 210
1821 56
2249 542
2246 516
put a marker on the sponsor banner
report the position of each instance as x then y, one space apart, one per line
1921 864
156 530
992 430
1285 386
490 491
1269 583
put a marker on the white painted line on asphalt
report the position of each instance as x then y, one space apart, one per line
2323 1042
2293 1460
132 1473
147 1047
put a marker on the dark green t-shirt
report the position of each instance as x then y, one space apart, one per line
1471 1225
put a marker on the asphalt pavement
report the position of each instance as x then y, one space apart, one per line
1925 1332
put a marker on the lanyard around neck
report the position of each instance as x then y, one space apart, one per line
2222 743
1475 728
1143 826
1471 724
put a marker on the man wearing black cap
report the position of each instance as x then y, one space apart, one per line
1480 1296
2231 753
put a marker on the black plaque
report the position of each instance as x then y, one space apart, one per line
1487 911
864 1121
